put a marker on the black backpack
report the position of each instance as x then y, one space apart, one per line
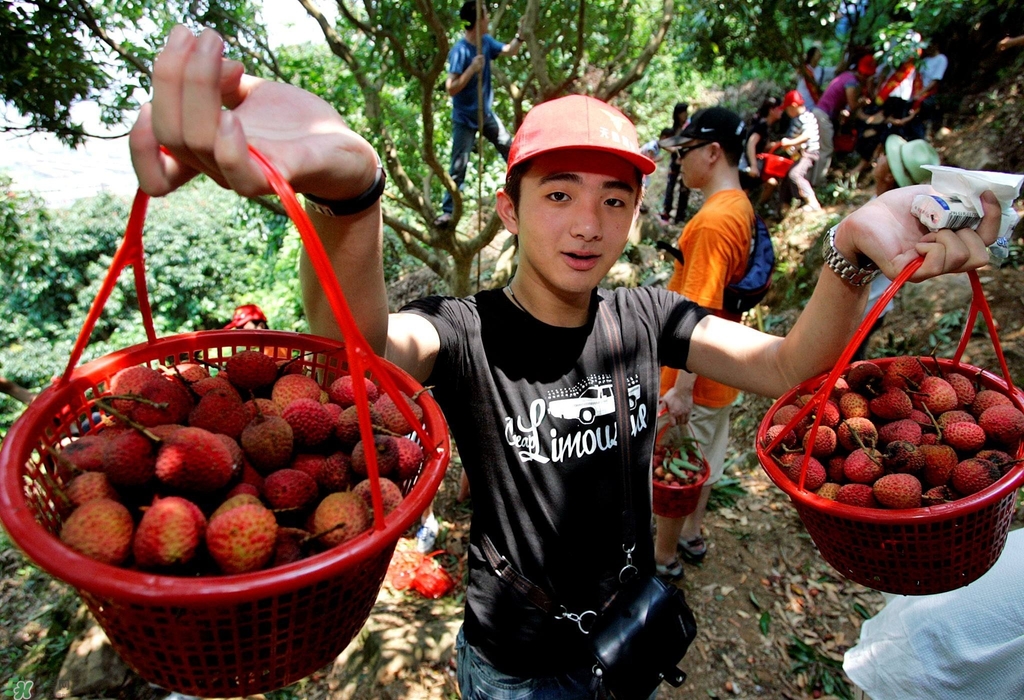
749 291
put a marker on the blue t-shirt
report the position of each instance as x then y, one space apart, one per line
464 102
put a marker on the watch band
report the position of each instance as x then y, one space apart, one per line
346 207
847 271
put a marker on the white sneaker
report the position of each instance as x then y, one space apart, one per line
426 536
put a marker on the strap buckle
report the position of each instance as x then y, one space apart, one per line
588 616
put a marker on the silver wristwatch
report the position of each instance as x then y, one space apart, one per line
847 271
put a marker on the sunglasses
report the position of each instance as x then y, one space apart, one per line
681 153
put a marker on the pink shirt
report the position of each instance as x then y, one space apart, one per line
834 98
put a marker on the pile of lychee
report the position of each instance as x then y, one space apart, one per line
677 461
204 470
906 436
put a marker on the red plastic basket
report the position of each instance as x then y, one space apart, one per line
216 636
677 500
915 551
773 165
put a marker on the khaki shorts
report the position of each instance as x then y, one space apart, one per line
710 426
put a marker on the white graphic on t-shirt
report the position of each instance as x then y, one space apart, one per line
582 403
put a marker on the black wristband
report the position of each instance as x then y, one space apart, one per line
346 207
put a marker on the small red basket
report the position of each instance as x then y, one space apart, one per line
914 551
217 636
773 165
677 500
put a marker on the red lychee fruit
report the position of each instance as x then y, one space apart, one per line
894 404
215 385
1004 424
903 457
288 489
793 463
220 413
242 488
336 472
410 458
861 495
169 533
249 370
987 398
964 437
999 458
904 373
834 469
391 495
130 381
898 491
936 495
86 453
289 546
242 539
387 456
393 418
294 386
905 430
785 414
238 499
824 441
261 407
854 433
310 421
101 529
939 461
129 457
964 388
937 395
346 427
789 441
339 517
863 466
195 460
342 393
973 475
864 377
956 416
88 486
267 442
188 373
829 490
162 401
853 405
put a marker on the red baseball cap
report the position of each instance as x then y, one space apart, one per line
577 122
792 98
244 314
866 65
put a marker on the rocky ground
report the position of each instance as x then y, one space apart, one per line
774 617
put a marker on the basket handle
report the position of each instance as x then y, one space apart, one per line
360 355
978 303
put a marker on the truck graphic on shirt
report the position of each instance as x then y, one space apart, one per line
590 398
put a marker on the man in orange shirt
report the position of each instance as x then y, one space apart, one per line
715 245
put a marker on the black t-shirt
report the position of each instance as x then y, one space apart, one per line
532 410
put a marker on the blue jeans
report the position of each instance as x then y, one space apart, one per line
478 680
463 143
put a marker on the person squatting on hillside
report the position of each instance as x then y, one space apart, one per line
840 100
759 139
547 486
465 68
715 245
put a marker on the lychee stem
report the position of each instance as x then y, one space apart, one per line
134 424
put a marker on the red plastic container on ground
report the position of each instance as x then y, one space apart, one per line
216 636
912 551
